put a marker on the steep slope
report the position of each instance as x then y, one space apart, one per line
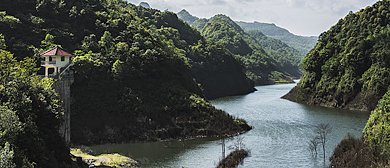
30 117
301 43
200 23
261 67
288 57
349 67
377 131
131 82
367 52
214 67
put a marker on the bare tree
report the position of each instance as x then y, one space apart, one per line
322 131
238 144
223 144
313 146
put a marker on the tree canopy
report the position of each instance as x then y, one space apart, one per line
349 66
136 69
263 64
30 116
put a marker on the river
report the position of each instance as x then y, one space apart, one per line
282 130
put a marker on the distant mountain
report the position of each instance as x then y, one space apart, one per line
301 43
200 23
213 67
287 58
144 4
262 65
186 16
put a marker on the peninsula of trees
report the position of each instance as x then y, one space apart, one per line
350 68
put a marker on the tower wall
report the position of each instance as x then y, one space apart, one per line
62 87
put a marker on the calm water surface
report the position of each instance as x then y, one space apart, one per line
282 130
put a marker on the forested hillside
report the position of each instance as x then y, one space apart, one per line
30 116
286 60
133 80
186 16
301 43
214 67
263 66
349 66
287 57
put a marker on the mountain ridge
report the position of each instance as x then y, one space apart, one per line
302 43
261 67
133 75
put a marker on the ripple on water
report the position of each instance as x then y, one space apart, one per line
282 130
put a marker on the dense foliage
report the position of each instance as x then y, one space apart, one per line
377 131
30 116
301 43
133 68
266 60
214 67
287 57
349 66
261 66
372 150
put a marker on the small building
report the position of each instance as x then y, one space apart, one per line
54 60
57 63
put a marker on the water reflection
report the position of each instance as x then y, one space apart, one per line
156 154
282 130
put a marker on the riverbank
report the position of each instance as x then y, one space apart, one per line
281 130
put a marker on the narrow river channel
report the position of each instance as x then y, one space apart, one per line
282 130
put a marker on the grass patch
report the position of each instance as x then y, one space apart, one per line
105 160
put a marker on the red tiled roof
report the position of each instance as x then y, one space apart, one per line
56 51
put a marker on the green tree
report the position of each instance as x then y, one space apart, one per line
377 130
47 43
349 66
3 46
130 74
30 115
6 156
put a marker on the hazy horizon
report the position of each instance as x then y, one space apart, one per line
300 17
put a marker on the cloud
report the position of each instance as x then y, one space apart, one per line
218 2
329 6
305 17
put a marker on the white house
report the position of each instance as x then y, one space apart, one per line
55 59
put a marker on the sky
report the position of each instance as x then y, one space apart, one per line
300 17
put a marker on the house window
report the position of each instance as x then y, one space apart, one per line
50 59
62 58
